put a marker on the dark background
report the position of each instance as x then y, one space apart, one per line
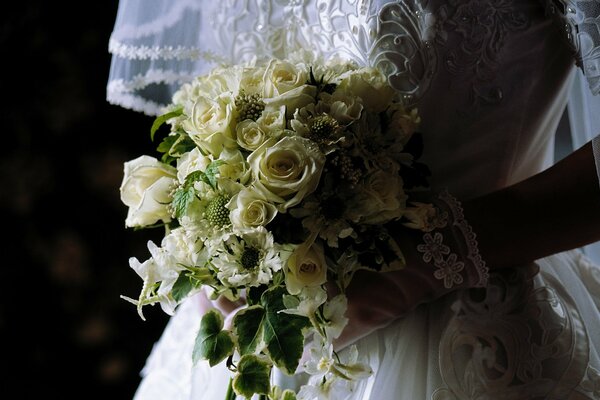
65 333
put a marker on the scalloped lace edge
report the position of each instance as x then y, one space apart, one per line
470 237
132 52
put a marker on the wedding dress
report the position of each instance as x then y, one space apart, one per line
490 79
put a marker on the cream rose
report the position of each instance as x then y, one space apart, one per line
209 124
250 209
287 171
344 108
306 267
294 99
381 199
272 121
281 76
250 135
371 86
191 161
145 189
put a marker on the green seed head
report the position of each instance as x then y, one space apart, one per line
216 212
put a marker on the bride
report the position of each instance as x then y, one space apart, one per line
491 79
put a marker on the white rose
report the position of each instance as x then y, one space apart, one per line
371 86
250 135
191 161
344 108
250 209
293 99
272 121
381 198
287 171
145 189
305 267
209 124
251 80
281 77
234 167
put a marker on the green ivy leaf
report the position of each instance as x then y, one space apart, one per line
253 376
212 342
282 332
160 120
248 325
182 287
182 200
254 293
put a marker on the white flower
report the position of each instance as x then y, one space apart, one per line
160 268
185 246
247 259
250 135
381 198
234 168
209 124
272 121
191 161
306 267
371 86
146 188
293 99
281 77
287 171
343 107
311 298
250 208
334 312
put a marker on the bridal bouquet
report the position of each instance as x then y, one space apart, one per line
276 182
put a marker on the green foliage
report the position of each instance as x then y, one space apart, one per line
182 287
212 342
182 200
252 377
248 325
160 120
282 332
174 146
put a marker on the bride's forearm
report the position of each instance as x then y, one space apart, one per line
555 210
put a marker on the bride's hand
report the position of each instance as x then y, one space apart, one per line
440 256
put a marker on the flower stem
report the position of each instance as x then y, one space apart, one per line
230 393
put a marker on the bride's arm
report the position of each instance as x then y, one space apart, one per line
555 210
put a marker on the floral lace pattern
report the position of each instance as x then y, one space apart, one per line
481 28
484 349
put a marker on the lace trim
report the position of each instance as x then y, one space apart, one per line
469 236
121 92
131 52
165 21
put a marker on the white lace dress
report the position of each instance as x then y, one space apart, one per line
490 78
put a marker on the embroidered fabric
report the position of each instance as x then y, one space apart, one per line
153 54
464 257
